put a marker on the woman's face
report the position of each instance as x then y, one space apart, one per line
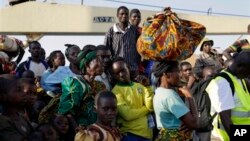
94 67
59 60
172 77
72 56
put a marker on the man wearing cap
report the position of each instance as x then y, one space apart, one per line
206 58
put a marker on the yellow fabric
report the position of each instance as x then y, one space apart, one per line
134 104
244 98
166 36
92 135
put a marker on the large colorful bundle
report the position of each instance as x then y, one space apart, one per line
165 36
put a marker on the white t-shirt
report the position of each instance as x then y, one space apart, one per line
220 95
37 68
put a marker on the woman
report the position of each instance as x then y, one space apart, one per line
207 57
78 92
56 59
173 117
66 71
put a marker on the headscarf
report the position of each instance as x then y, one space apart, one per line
85 58
164 66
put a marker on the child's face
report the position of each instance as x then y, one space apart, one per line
62 124
106 110
29 90
121 72
49 133
21 95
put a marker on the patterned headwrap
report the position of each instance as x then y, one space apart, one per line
87 58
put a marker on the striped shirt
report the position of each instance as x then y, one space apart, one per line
123 43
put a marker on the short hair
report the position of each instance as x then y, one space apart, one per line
104 94
68 48
28 74
183 64
134 11
52 56
34 42
120 8
101 47
6 85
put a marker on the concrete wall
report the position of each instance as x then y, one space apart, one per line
35 17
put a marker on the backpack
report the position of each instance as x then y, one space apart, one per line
166 36
203 102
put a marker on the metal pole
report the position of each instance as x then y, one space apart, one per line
82 2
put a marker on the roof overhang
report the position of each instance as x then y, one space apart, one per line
62 19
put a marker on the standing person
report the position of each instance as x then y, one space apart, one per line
232 108
121 39
206 58
104 55
135 19
172 115
78 92
186 74
134 104
202 100
34 63
102 130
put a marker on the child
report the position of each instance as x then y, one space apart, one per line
13 125
134 104
48 132
62 126
102 130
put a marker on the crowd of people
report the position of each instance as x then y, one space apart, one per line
108 93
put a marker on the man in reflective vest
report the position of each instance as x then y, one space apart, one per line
232 108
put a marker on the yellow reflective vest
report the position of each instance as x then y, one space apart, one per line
240 114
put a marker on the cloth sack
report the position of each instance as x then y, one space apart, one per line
165 36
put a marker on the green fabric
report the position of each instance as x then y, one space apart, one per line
78 100
90 56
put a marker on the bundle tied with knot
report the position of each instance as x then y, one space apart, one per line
84 58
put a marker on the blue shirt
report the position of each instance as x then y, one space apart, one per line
168 107
59 75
